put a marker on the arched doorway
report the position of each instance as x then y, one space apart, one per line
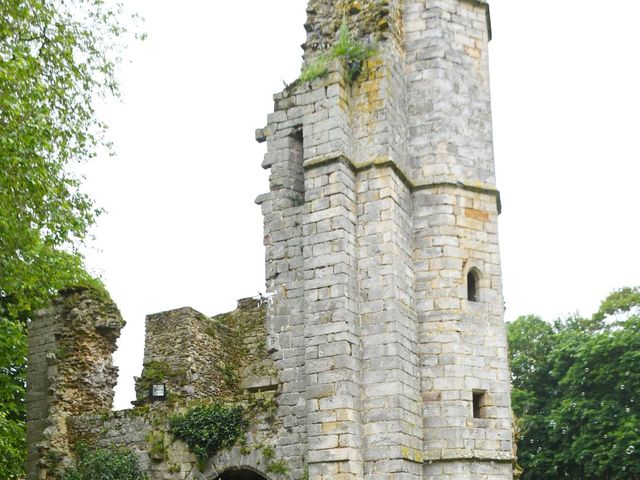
240 474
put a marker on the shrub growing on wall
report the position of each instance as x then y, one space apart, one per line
350 52
210 428
105 464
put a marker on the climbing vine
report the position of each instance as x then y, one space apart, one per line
210 428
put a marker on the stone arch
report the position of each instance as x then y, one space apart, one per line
233 464
473 284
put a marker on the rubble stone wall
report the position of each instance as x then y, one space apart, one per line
70 371
181 352
200 359
372 20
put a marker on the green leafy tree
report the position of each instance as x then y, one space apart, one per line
12 352
576 387
56 58
530 344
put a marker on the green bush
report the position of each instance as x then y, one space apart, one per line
105 464
210 428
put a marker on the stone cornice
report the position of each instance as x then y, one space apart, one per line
381 162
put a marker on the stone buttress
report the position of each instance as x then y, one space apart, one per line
386 324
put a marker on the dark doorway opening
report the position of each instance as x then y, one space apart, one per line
241 474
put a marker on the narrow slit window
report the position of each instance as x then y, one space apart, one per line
297 159
472 285
479 404
297 146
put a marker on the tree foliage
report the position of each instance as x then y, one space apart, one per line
13 349
56 58
575 391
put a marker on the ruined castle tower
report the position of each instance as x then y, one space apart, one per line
385 355
381 234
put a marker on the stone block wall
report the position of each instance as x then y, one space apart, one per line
392 403
201 357
182 352
42 345
463 342
333 352
130 428
144 431
448 94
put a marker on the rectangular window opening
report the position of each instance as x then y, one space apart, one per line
479 404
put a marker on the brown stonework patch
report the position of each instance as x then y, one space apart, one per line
477 214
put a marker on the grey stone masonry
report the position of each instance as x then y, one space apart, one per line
198 357
41 348
382 252
180 353
448 96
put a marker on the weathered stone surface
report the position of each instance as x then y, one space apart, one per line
70 371
201 357
368 19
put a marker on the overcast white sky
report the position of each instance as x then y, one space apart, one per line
182 228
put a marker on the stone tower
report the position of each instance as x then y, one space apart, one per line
386 355
381 235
